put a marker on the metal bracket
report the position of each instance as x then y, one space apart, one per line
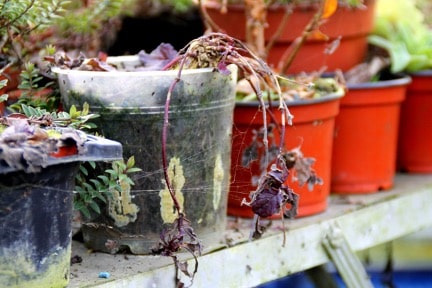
346 261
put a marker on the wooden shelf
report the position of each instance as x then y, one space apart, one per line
364 220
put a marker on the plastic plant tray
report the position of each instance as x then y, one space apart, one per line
96 149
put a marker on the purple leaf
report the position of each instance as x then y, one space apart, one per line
158 58
223 69
279 176
267 202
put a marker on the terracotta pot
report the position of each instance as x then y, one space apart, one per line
353 25
415 138
365 139
312 130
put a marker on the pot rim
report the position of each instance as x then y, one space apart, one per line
132 60
61 71
422 73
296 102
209 4
400 80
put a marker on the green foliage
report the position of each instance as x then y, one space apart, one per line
26 15
89 25
91 192
30 78
32 84
86 19
74 118
3 97
3 83
178 5
37 90
19 18
401 30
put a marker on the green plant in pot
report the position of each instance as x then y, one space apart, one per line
38 163
403 33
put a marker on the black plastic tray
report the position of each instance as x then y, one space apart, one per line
96 149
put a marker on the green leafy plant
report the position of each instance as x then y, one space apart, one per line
177 5
3 97
90 192
401 30
88 24
36 90
26 27
19 18
74 118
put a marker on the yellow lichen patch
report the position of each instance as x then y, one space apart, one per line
121 208
218 177
177 179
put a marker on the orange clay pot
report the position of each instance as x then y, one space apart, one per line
312 130
365 139
351 24
415 137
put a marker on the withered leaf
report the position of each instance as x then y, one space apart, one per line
158 58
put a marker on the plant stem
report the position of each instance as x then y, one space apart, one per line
256 21
292 51
164 138
208 21
277 34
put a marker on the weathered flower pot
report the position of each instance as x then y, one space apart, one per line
365 137
312 130
36 216
131 105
